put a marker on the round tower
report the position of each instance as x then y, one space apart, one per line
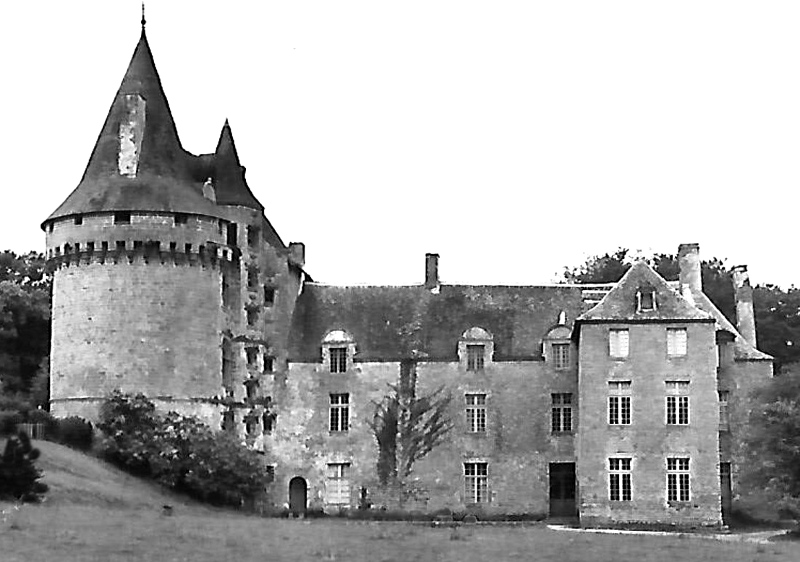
139 253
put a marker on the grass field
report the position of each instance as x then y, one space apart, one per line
95 512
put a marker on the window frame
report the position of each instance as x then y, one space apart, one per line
476 483
677 346
620 479
561 414
723 397
337 484
476 357
339 412
616 349
338 358
679 488
619 403
677 403
475 411
562 359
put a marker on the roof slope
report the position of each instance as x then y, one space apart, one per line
166 177
620 304
229 183
391 323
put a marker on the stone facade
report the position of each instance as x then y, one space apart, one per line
169 280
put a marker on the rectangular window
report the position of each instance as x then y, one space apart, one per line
269 296
561 356
181 218
252 317
253 235
476 413
678 479
252 356
562 412
340 412
677 402
252 277
122 217
269 364
227 420
475 355
619 402
676 342
646 300
231 234
78 220
338 359
619 479
268 420
337 486
724 419
251 388
476 482
618 343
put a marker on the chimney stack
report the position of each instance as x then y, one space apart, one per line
690 272
297 253
745 315
431 271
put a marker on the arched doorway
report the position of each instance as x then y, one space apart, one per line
298 490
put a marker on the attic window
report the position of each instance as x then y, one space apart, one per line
645 299
181 218
122 217
338 348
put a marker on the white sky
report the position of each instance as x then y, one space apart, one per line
513 138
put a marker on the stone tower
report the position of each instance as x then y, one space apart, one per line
167 277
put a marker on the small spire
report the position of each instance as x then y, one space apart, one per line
144 21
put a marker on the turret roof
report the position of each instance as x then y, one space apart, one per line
138 163
229 181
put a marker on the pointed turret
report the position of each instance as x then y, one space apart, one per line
138 163
229 181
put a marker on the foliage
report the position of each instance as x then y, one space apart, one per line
179 451
778 323
75 432
19 476
8 421
407 427
772 443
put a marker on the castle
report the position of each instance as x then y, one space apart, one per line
618 402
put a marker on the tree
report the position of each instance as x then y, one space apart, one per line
772 443
407 427
19 476
778 323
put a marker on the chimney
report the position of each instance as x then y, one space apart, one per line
431 271
297 253
689 264
745 315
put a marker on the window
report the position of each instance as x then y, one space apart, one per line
562 412
252 356
678 479
227 420
476 482
252 317
619 479
476 413
337 488
78 220
676 342
251 425
90 247
252 277
187 248
231 234
269 296
269 364
475 354
181 218
619 402
123 217
268 420
251 387
724 418
618 343
120 245
677 402
338 359
252 236
645 300
340 412
561 356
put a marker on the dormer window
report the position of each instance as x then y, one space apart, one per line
338 349
645 299
475 349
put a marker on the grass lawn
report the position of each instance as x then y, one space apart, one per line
95 513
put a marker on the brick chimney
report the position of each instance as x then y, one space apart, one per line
689 264
431 271
745 315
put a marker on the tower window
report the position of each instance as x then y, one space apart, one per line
122 217
78 220
269 296
181 218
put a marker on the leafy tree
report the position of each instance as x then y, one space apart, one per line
19 476
772 444
778 323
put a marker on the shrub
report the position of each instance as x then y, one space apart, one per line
40 416
19 477
75 432
8 421
179 451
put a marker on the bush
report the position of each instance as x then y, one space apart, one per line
19 477
8 421
75 432
40 416
179 451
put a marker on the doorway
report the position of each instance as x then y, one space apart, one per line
562 489
298 491
725 489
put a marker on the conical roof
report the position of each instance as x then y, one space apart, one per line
229 183
138 163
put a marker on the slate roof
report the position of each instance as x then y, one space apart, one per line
620 304
389 322
168 178
229 182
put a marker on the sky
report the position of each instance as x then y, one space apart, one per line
512 138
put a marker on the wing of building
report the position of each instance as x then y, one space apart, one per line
617 402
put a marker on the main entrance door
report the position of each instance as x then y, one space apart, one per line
562 489
297 496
